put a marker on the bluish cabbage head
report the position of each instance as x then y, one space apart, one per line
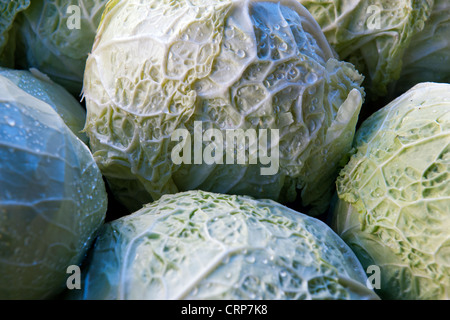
394 194
52 197
202 245
207 69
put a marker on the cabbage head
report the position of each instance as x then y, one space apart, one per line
164 66
52 197
394 194
202 245
42 87
9 11
55 36
427 57
373 35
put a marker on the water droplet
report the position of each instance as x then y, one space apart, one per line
250 259
283 47
10 121
241 53
185 37
311 77
229 32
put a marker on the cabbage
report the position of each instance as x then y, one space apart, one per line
427 57
9 10
42 87
164 66
55 40
373 35
394 194
52 196
202 245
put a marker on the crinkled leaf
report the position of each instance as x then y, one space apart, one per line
395 194
229 65
201 245
373 35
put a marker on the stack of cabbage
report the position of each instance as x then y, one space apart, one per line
205 216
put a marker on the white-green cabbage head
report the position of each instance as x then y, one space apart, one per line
394 194
373 35
202 245
208 68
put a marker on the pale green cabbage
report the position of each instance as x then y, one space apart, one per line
201 245
52 197
427 57
394 194
42 87
51 41
161 66
371 34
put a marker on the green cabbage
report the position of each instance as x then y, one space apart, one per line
373 35
427 57
394 194
9 10
52 197
201 245
229 65
51 40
